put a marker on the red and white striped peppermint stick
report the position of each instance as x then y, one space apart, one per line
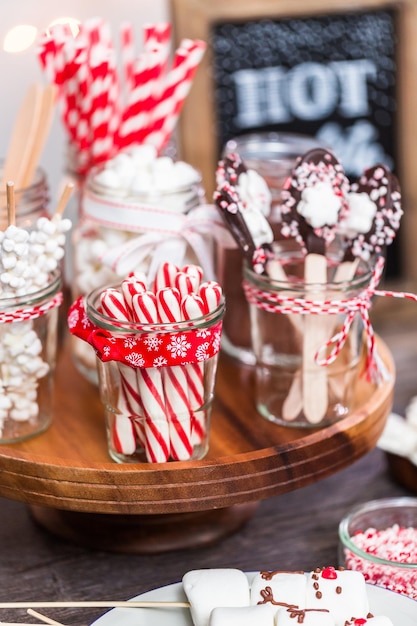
114 305
195 273
193 307
130 401
130 287
184 283
175 382
211 293
165 276
157 431
123 435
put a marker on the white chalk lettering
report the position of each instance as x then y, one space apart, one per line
308 91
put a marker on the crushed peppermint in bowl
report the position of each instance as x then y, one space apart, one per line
379 539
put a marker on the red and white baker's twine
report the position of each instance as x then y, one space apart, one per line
280 303
30 313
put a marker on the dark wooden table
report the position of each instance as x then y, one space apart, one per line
296 530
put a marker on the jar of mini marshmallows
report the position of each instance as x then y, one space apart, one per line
137 210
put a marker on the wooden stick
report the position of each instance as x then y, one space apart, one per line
64 199
11 206
100 604
44 618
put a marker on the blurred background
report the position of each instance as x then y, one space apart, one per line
21 23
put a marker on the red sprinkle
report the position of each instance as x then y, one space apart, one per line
397 544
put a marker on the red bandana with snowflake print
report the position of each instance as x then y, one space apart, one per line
145 349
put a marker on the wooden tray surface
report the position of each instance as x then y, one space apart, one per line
250 459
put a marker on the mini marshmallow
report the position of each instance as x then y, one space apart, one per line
343 592
261 615
207 589
286 587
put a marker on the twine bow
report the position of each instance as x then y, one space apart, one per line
281 303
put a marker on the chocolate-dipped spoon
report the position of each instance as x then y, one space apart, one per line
243 215
314 200
372 223
373 220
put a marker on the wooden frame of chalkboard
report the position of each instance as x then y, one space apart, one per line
202 129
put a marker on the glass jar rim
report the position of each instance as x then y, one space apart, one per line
370 506
34 298
102 190
39 179
270 145
100 319
297 285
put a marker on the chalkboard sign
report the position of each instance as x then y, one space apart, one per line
343 72
332 77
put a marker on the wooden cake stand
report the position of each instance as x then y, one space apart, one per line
75 491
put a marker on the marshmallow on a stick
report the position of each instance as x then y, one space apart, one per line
207 589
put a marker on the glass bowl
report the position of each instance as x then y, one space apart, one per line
379 539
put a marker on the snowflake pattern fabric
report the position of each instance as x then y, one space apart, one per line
146 349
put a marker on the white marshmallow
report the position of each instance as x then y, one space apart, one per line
260 615
343 592
207 589
377 620
285 587
313 617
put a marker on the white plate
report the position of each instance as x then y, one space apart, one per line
401 610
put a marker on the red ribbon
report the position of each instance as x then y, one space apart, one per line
145 349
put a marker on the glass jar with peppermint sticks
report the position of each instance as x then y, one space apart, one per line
157 356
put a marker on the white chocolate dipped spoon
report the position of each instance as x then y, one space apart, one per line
314 200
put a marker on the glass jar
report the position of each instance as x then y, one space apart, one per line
123 231
156 381
272 155
379 539
31 202
28 340
292 323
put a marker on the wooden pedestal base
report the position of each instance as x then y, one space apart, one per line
143 534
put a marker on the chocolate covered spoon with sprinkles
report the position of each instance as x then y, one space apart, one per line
314 201
373 220
243 198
